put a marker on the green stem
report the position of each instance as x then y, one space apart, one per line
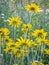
30 17
0 44
28 60
22 61
25 34
14 33
11 58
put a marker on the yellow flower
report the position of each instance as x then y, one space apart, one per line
17 45
41 63
26 27
47 42
44 41
18 53
7 39
7 50
4 31
21 53
37 63
24 42
33 44
12 47
14 50
10 44
34 63
15 21
46 51
0 31
33 8
39 33
15 64
46 64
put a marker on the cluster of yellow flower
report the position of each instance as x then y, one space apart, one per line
22 46
25 46
40 36
19 48
34 63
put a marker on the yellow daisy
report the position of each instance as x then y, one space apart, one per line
15 64
46 51
41 63
44 41
33 8
26 27
34 63
24 42
4 31
7 39
39 33
0 31
15 21
10 44
7 50
33 44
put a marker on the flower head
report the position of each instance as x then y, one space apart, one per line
39 33
15 21
15 64
46 51
26 27
34 63
33 8
4 31
44 41
7 39
24 42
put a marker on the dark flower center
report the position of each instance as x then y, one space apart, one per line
32 8
40 35
0 31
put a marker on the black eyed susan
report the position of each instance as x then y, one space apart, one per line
0 31
24 42
15 21
4 31
7 50
20 53
10 44
10 48
41 63
26 27
15 64
33 44
34 63
33 8
44 41
39 33
7 39
46 51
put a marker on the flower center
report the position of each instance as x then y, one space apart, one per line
14 22
32 8
40 35
0 31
